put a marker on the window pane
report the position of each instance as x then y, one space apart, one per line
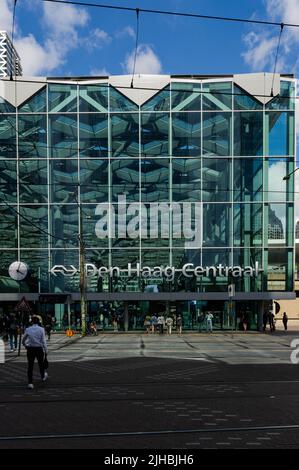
125 135
219 96
125 179
8 180
8 142
94 180
154 134
8 226
36 103
286 98
93 135
216 129
245 101
248 224
216 224
93 98
64 225
186 179
32 135
5 106
248 133
119 102
278 168
62 98
281 133
33 181
248 179
216 179
64 181
160 102
186 96
186 134
277 223
34 226
63 135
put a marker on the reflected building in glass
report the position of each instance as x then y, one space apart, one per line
213 149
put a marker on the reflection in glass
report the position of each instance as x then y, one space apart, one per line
63 135
8 136
160 102
217 96
243 101
278 168
216 175
94 185
216 225
8 226
186 96
248 179
248 133
34 226
125 179
33 181
186 179
286 98
62 98
36 103
281 135
125 135
119 102
93 98
8 181
186 135
248 224
64 225
154 180
154 134
277 222
216 130
32 135
93 130
64 180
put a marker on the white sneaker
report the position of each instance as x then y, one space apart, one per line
45 376
30 386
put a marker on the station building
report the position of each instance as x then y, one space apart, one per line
170 190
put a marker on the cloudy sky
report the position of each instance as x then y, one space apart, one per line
55 39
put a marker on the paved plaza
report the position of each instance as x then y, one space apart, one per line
139 391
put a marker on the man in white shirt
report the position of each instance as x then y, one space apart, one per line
34 340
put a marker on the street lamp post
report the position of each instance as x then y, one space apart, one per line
82 276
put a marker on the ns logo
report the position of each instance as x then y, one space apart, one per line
295 354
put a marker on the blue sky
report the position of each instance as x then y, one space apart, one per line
68 40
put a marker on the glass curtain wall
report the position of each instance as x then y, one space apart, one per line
71 147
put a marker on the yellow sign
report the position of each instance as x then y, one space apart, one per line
69 333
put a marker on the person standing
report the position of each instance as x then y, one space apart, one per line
179 324
13 332
209 321
169 324
285 321
161 323
34 340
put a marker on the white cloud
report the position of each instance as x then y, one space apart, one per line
98 72
261 45
97 39
35 58
61 24
127 31
146 62
6 15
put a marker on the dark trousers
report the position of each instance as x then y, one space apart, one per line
33 353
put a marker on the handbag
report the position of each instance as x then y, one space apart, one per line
46 362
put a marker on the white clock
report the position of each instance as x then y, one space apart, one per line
18 270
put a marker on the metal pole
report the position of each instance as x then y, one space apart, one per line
69 311
82 276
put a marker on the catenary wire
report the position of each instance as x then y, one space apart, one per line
173 13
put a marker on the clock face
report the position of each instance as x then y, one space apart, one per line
18 270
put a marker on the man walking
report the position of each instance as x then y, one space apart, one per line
34 340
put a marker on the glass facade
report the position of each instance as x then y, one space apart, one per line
69 148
